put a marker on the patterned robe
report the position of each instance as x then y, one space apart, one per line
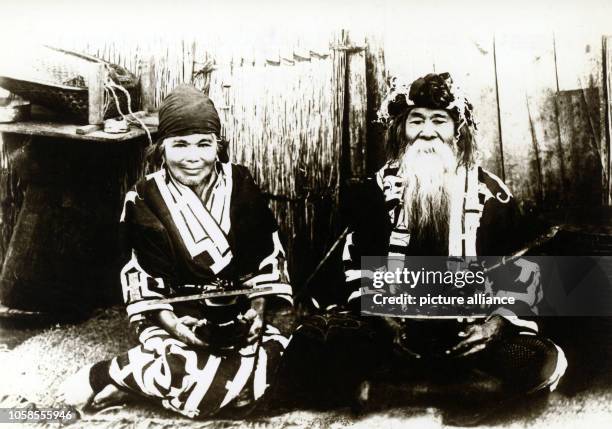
483 221
178 245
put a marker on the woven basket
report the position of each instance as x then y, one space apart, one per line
57 79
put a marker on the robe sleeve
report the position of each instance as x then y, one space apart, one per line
501 235
261 254
147 254
368 235
272 273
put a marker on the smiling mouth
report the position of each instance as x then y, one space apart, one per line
192 170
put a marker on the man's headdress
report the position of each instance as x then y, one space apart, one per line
433 91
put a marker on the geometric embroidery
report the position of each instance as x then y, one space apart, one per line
199 230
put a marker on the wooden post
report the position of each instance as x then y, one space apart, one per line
97 79
350 68
376 86
147 85
338 108
357 97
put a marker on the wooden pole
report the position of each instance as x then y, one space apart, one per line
499 122
97 78
607 82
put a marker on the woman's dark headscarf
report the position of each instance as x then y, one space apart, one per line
186 110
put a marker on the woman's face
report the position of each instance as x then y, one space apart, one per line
191 159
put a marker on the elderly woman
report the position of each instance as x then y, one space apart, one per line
198 224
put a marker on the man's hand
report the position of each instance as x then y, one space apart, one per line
181 329
400 337
393 188
477 336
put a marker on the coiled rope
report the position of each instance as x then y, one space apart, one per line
109 88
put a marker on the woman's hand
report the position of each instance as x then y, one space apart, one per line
256 322
255 316
272 311
181 328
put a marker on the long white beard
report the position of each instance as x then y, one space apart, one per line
428 169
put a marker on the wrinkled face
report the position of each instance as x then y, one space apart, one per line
191 159
430 125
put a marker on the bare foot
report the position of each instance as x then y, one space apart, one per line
108 396
76 390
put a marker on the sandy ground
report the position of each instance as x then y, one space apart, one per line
32 371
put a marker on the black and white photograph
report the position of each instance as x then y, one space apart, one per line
289 214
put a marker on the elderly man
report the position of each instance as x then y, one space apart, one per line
199 224
432 198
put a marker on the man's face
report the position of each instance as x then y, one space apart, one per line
191 159
430 151
430 125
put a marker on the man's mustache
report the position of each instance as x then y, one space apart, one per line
429 146
428 140
423 155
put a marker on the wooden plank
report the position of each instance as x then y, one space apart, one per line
86 129
52 129
95 86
